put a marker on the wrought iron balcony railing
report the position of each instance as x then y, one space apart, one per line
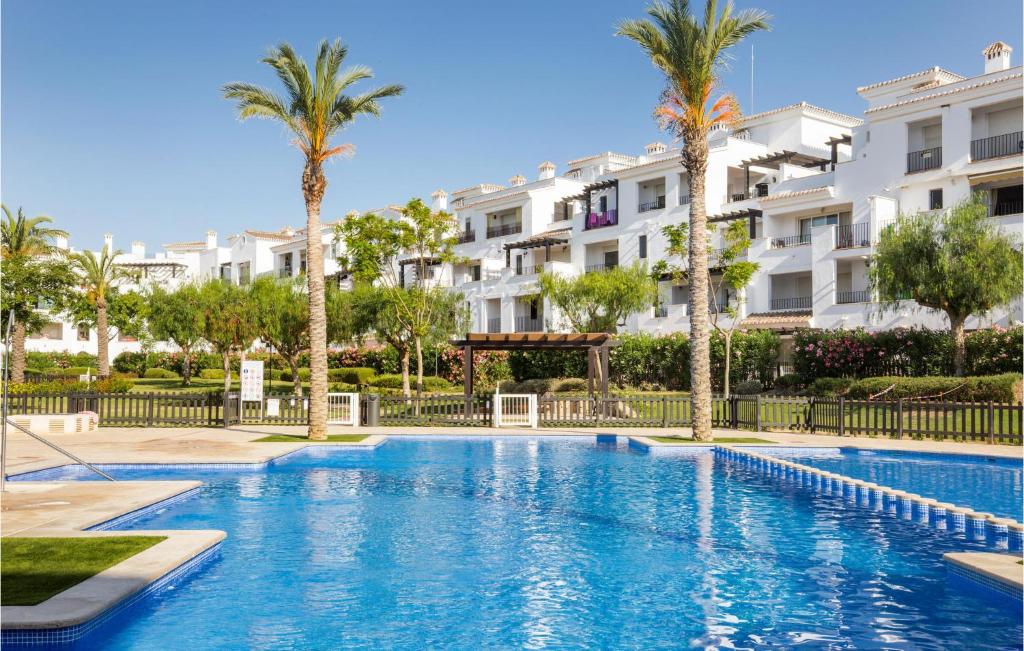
796 303
1006 144
925 159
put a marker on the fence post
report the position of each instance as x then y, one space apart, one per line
149 411
224 408
842 415
757 412
664 411
810 415
991 422
899 418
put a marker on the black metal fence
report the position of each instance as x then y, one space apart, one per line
963 421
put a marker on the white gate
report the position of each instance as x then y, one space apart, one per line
515 410
343 409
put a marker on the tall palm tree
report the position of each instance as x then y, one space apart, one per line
315 109
691 54
98 275
24 237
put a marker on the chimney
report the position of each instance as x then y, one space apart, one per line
60 242
108 242
655 148
518 179
138 249
439 200
211 240
997 57
547 171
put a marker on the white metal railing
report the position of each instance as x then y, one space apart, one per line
343 409
515 410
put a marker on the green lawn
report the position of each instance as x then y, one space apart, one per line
34 569
717 439
292 438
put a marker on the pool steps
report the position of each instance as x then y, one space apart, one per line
1000 533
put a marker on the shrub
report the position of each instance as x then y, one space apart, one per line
50 360
303 375
394 381
996 388
212 374
788 382
829 387
489 366
342 387
357 376
160 373
110 385
128 362
73 371
748 388
566 385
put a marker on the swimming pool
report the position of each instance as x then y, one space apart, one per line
541 543
991 485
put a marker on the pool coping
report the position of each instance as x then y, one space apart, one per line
86 601
1003 569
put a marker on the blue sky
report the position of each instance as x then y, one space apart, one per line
112 119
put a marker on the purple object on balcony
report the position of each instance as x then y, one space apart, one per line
601 219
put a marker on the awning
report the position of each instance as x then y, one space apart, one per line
776 159
548 238
790 320
734 215
992 177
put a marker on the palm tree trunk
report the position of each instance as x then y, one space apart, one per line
17 352
102 340
695 159
956 328
313 186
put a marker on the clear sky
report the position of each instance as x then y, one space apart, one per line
112 118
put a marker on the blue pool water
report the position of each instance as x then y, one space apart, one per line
988 485
546 543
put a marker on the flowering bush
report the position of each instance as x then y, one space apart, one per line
489 366
43 361
903 352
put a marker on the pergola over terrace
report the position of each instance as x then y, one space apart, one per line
597 344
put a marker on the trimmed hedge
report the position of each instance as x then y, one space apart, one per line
160 373
111 385
748 388
212 374
545 385
303 375
356 376
394 381
1004 388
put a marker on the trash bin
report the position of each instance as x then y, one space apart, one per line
372 410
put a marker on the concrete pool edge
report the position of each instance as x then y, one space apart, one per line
75 612
1001 573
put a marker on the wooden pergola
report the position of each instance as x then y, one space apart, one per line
597 344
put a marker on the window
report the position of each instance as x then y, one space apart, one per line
243 273
519 265
807 223
611 259
935 199
474 272
602 204
643 246
1008 200
83 331
533 308
302 262
49 331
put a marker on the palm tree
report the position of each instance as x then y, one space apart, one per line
98 275
691 54
315 109
25 237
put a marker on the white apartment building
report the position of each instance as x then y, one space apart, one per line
815 188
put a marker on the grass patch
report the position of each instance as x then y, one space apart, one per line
293 438
34 569
717 439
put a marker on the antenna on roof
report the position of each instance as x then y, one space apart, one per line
751 109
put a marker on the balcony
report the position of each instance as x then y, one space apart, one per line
851 236
661 312
684 199
597 268
792 240
526 324
1008 144
657 204
797 303
1003 208
504 229
602 219
925 159
494 325
861 296
528 270
467 236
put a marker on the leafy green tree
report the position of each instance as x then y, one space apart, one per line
731 278
601 300
34 273
177 316
691 53
229 321
127 312
99 276
957 262
282 319
315 109
376 252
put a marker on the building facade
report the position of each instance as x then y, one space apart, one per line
815 188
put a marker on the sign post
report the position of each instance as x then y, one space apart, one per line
252 383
